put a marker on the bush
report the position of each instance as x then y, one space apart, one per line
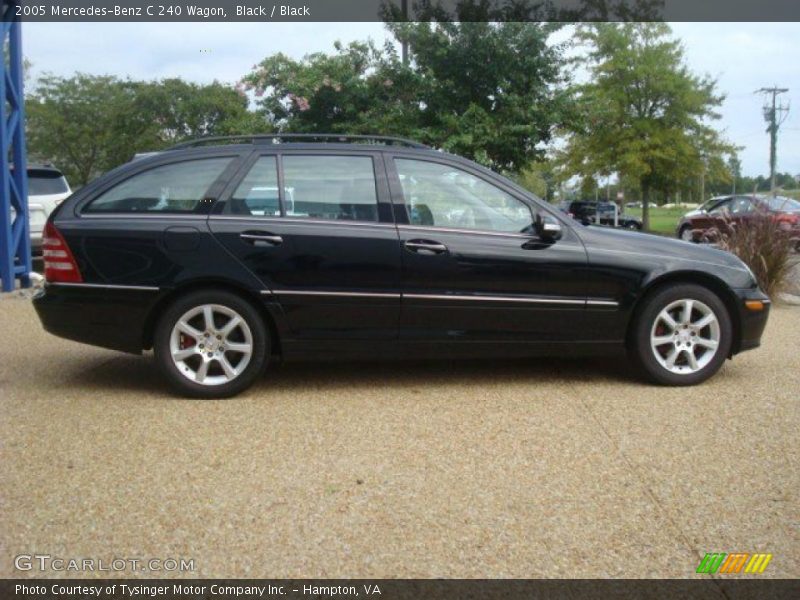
762 244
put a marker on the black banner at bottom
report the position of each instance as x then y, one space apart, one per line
395 589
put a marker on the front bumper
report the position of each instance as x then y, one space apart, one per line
108 317
751 322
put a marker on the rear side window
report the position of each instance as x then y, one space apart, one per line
257 195
330 187
175 188
43 182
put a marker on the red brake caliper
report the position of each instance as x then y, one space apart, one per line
184 341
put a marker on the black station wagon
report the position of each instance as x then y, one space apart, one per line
227 253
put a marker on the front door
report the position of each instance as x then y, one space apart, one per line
317 231
473 270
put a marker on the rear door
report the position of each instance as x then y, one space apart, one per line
316 228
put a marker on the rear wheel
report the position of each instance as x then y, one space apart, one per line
682 335
211 344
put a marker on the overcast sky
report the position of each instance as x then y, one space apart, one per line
742 56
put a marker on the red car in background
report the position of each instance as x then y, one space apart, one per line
722 211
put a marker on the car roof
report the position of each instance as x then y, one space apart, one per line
44 168
204 146
294 146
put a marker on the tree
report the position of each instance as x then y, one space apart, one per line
493 92
89 124
538 177
179 110
360 88
643 115
78 123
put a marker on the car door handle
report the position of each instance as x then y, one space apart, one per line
422 246
254 237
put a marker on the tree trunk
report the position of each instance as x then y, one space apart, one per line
645 206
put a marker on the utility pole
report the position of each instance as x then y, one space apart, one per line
774 115
735 168
703 178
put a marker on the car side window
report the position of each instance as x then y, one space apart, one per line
257 194
722 209
741 206
173 188
330 187
438 195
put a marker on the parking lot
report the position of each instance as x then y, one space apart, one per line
535 468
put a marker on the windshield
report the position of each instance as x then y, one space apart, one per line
43 183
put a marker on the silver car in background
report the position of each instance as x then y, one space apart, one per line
47 187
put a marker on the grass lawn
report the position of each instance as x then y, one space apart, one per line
662 220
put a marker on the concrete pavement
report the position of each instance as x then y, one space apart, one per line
535 468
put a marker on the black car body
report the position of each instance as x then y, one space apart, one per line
386 249
600 213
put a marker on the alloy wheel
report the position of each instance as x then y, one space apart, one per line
685 336
211 344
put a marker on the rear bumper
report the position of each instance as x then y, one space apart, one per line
110 317
752 323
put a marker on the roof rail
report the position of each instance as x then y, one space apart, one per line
283 138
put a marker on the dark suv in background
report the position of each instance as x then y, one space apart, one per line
224 254
599 213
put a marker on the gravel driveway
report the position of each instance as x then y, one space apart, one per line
534 468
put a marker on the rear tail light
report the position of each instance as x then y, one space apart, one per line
59 264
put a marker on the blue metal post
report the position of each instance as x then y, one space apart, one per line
15 241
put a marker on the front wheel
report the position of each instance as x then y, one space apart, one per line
211 344
682 335
686 233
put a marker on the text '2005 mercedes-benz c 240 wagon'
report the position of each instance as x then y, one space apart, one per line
224 254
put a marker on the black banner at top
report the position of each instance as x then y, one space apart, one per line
414 10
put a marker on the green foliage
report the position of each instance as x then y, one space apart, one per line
644 115
180 110
88 124
491 92
81 124
358 89
538 178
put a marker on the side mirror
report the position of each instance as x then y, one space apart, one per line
548 228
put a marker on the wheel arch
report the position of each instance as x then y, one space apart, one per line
248 295
706 280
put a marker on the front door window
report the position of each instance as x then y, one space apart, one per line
438 195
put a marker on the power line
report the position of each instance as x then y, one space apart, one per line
774 115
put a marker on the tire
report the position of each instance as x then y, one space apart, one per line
654 344
234 358
685 233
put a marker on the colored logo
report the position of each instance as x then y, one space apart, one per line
737 562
